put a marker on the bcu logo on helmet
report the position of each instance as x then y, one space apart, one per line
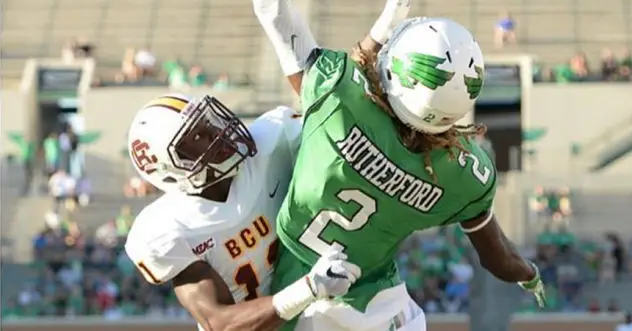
141 156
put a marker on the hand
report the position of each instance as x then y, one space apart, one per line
535 286
393 14
332 275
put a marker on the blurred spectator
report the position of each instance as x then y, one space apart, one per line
576 70
569 284
550 206
176 74
457 292
146 62
52 153
68 144
432 295
593 306
107 234
627 323
538 203
11 310
616 249
83 191
137 187
124 221
62 188
625 67
505 30
579 66
609 65
560 206
76 49
129 71
197 76
613 306
222 82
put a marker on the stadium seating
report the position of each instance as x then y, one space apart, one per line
223 35
552 30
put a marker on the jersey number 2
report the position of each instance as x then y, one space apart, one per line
311 237
482 173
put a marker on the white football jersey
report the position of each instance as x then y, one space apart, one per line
237 237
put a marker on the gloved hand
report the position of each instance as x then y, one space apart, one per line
332 275
535 286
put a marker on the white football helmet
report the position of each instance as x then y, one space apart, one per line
179 143
432 71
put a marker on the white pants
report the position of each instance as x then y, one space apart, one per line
390 310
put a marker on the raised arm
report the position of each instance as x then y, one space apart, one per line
290 35
294 42
394 13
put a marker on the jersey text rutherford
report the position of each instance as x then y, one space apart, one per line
376 168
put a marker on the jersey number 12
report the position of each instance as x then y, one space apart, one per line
311 237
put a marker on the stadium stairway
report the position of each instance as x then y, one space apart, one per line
107 181
608 147
613 153
10 190
28 220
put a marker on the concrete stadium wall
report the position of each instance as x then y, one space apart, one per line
572 113
577 113
109 111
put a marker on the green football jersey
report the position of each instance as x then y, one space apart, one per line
357 188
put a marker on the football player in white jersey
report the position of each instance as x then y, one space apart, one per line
212 233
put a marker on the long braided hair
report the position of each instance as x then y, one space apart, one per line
415 141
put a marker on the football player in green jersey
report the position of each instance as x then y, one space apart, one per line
381 157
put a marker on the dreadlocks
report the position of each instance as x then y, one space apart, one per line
415 141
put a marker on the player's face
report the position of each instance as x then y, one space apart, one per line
206 143
214 139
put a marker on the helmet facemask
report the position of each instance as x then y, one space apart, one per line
210 145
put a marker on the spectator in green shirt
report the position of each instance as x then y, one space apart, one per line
11 310
197 77
52 153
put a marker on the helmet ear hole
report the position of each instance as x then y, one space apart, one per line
389 76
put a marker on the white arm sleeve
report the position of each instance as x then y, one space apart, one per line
160 259
291 37
393 14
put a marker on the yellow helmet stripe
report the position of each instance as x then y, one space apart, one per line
174 103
